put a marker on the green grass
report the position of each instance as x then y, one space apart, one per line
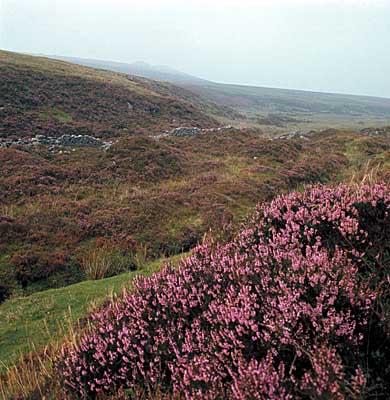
57 114
35 321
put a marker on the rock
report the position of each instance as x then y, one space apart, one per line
78 140
185 131
192 131
58 142
384 132
153 109
297 135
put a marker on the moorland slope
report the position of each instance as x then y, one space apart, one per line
44 96
72 213
268 108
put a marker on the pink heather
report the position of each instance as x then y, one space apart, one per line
282 312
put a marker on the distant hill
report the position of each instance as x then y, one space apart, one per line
262 99
268 108
139 68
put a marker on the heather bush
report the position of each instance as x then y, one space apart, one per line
5 291
296 306
35 265
142 158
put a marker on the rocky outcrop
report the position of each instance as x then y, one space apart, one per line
192 131
385 131
297 135
57 142
185 131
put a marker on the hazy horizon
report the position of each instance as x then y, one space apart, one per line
320 46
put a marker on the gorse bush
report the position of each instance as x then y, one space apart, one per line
297 306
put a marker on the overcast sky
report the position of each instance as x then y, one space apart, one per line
336 46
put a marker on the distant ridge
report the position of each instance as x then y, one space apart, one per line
138 68
264 107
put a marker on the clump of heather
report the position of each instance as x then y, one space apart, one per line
297 306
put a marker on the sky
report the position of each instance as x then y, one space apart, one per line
322 45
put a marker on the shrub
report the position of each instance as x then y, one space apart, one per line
34 265
10 230
297 306
311 169
142 158
5 292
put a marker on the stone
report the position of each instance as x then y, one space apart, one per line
191 131
58 142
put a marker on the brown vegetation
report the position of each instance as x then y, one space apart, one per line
163 194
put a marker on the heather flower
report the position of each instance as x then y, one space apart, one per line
296 306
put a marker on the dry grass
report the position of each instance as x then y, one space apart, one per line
8 210
34 375
140 257
103 262
369 174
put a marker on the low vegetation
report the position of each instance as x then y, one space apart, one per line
292 304
34 327
153 197
42 96
297 306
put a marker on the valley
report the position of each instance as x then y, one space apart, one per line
106 176
273 110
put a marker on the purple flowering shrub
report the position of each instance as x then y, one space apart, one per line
297 306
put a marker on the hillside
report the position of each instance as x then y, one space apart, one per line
268 108
157 197
79 219
282 108
144 194
50 97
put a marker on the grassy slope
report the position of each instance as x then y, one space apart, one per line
35 321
